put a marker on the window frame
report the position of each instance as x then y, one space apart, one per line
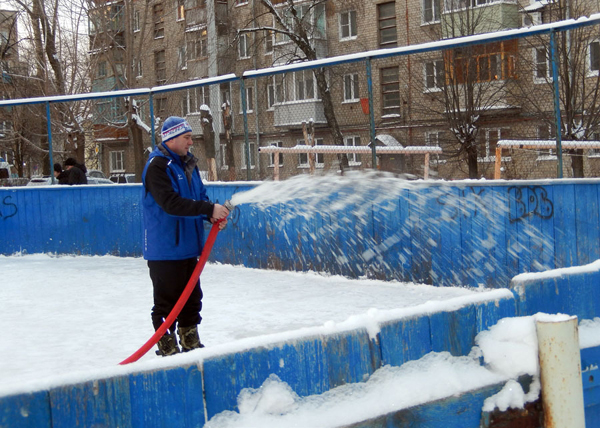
435 11
116 159
272 155
392 110
252 145
351 25
243 48
354 159
159 20
353 88
593 72
383 28
537 79
438 75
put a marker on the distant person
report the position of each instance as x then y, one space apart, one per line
175 205
61 175
76 172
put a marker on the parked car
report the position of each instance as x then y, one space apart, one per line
96 173
99 180
122 178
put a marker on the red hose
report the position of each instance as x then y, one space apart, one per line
212 236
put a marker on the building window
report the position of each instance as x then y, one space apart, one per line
542 66
160 106
136 21
271 100
243 46
594 58
305 85
182 58
390 92
160 67
117 161
348 29
138 69
252 145
197 45
102 69
351 87
303 157
434 75
487 147
272 155
139 106
545 133
431 11
249 100
268 41
483 63
387 25
312 14
241 2
180 11
353 141
159 21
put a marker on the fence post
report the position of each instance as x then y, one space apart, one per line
371 114
49 128
152 120
246 142
560 373
556 103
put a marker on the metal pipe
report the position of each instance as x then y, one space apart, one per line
49 128
560 373
556 104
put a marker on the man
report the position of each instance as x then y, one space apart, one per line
61 176
175 205
76 172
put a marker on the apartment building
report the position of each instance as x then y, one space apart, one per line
463 100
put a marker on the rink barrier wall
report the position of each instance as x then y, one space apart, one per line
473 233
191 394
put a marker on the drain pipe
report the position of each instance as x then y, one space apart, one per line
560 371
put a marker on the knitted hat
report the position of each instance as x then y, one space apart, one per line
71 162
173 127
57 167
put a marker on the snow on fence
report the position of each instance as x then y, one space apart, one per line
312 150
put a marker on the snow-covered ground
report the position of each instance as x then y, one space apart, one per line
67 319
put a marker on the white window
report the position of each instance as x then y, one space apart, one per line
353 141
117 163
102 69
271 100
434 75
348 25
487 149
243 46
241 2
311 14
180 11
223 155
541 72
303 157
305 85
252 145
272 155
431 11
593 57
136 21
182 58
197 45
351 87
545 133
432 139
269 38
249 100
138 69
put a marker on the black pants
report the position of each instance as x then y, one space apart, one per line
169 278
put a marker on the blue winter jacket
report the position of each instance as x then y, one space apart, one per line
175 205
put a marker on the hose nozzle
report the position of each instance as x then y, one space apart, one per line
228 205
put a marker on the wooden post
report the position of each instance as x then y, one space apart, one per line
426 172
308 140
276 166
497 172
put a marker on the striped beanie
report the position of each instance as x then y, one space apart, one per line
173 127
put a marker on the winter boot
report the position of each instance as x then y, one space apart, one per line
167 345
188 338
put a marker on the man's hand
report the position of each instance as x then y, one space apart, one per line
222 224
219 212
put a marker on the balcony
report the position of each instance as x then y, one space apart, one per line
292 114
466 17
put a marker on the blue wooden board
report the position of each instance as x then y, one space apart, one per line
167 398
404 340
454 331
103 402
29 410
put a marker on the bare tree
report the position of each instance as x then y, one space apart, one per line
577 56
300 23
464 85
